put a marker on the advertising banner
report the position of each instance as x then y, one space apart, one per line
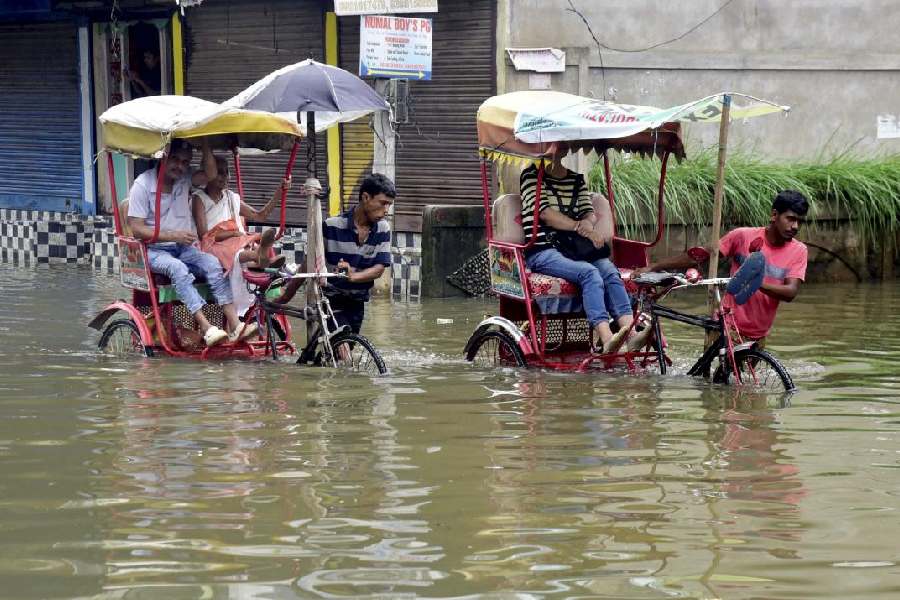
343 8
588 118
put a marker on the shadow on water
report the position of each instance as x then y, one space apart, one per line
161 478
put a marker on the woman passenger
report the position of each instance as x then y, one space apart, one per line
602 290
219 214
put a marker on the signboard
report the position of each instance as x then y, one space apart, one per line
343 8
887 127
395 47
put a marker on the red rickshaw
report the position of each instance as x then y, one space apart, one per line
155 321
541 322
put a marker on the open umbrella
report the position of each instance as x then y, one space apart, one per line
305 89
310 86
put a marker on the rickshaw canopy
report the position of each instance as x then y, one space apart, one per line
145 126
531 125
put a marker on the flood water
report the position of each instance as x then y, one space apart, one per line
163 478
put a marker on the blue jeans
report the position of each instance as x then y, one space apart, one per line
602 290
181 263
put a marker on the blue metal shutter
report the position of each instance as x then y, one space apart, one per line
40 117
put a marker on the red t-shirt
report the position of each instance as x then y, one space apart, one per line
754 319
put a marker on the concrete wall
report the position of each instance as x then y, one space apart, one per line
835 62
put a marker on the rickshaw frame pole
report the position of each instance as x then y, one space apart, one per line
718 194
117 219
160 173
287 171
237 172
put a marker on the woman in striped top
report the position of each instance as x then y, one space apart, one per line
601 286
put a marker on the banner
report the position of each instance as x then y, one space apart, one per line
587 118
343 8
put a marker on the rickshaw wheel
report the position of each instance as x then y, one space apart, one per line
758 370
495 349
122 338
354 352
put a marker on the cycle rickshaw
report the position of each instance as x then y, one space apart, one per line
155 321
541 322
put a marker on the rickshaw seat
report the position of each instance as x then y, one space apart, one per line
257 278
554 295
159 279
507 215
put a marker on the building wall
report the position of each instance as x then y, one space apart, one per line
835 62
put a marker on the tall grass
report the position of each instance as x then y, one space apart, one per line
866 191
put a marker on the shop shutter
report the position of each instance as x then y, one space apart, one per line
437 159
40 117
231 44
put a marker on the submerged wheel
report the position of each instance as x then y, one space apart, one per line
122 338
354 352
758 370
495 349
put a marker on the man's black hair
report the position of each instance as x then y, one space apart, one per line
790 200
376 183
179 144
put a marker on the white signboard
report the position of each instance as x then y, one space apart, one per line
343 8
394 47
887 127
542 60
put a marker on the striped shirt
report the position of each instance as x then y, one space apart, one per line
341 243
555 193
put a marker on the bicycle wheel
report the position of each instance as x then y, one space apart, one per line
495 349
353 352
122 338
757 369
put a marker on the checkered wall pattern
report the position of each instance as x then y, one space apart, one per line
30 237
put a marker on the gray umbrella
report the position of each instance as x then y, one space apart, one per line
310 86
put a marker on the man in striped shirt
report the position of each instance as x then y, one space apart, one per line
359 241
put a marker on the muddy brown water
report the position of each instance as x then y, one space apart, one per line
162 478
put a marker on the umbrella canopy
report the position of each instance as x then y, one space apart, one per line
535 124
310 86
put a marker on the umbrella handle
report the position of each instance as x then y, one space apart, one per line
287 173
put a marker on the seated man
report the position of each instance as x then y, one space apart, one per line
785 262
358 241
176 254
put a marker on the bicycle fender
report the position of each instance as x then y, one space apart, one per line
506 326
751 345
100 320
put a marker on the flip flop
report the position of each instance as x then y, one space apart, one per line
748 278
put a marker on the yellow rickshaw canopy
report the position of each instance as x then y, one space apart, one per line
145 126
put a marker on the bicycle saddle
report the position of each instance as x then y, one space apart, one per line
258 278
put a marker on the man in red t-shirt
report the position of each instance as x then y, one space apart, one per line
785 262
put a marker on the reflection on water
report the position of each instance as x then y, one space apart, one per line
159 478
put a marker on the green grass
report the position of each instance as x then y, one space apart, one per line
867 191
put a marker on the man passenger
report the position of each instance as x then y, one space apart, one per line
785 262
176 253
